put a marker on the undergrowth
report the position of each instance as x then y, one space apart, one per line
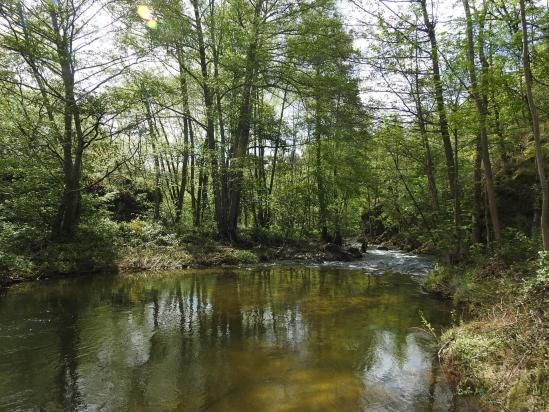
500 354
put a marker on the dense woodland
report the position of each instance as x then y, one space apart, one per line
163 134
417 122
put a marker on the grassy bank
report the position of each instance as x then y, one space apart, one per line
145 246
500 354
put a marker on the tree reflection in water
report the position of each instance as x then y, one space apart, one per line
277 338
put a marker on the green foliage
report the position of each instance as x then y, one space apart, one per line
319 150
94 248
538 285
142 231
237 257
15 254
499 350
261 236
515 246
470 350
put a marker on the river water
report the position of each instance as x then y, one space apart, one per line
285 337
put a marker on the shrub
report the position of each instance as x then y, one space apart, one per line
16 243
237 256
140 231
515 246
539 284
470 350
94 248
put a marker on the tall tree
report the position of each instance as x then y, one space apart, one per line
534 118
481 101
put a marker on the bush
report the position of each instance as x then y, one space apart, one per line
515 247
16 244
539 285
444 279
140 231
470 350
94 248
264 236
236 257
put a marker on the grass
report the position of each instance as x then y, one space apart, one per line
156 257
500 354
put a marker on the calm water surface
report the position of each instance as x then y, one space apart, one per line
271 338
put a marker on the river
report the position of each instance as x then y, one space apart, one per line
284 337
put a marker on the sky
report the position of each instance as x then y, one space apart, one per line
446 12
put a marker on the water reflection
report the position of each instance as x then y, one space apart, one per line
277 338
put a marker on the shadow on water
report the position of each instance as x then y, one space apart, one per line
266 338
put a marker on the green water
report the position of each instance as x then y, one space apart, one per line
283 338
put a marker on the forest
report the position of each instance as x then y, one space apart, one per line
159 135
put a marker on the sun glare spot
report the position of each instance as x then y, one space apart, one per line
151 24
144 12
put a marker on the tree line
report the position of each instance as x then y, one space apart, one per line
271 115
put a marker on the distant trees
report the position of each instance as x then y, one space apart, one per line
57 86
465 87
231 115
251 63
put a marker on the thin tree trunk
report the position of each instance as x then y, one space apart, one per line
277 143
476 222
186 126
242 134
540 161
215 45
429 167
211 152
443 120
319 177
412 198
486 153
439 97
198 209
480 101
157 192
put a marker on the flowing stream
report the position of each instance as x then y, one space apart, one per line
284 337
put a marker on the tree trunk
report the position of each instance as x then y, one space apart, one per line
429 167
480 102
442 120
322 218
157 192
192 175
476 222
540 161
439 97
242 134
211 150
187 128
68 212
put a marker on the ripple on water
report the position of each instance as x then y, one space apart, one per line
269 338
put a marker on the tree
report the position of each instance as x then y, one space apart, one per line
51 39
534 118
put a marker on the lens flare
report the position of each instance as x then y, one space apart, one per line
151 24
144 12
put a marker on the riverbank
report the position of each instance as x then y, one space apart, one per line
143 250
500 354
